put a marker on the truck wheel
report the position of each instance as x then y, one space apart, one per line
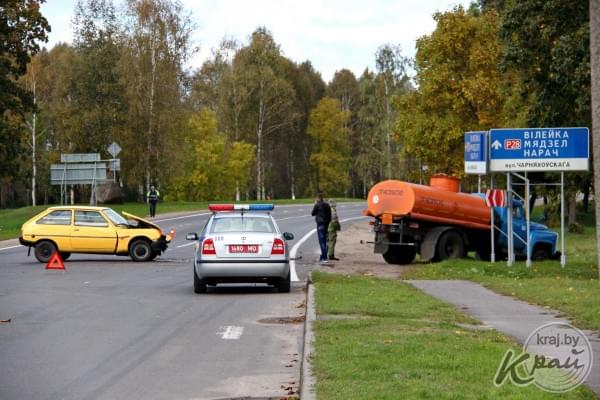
400 255
450 245
540 255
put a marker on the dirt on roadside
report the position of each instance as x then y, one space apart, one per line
359 259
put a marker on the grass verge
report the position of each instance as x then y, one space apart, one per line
395 342
11 219
573 290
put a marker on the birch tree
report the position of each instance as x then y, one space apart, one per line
391 66
152 69
271 99
31 83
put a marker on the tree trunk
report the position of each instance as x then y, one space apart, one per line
572 209
595 73
151 112
33 153
586 196
388 131
259 149
292 181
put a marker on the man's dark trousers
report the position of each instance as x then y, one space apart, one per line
152 207
322 235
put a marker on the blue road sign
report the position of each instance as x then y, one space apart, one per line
476 152
539 149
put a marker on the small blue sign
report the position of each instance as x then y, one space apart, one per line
476 152
539 149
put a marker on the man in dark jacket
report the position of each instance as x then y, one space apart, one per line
322 213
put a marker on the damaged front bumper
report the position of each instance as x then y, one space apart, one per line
161 244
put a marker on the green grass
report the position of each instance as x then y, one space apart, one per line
574 290
399 343
11 219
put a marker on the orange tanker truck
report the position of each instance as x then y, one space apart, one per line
439 222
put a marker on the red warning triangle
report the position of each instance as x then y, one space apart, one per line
55 262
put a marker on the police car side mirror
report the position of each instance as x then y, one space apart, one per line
288 236
191 236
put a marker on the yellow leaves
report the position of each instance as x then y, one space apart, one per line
327 125
459 88
212 168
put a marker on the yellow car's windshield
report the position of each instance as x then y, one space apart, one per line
114 217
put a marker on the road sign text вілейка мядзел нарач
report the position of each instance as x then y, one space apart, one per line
539 149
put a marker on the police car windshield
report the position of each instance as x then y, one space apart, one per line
242 224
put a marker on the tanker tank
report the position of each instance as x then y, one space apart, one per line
440 203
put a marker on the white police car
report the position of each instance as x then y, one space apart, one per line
241 243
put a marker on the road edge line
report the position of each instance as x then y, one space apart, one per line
293 274
307 379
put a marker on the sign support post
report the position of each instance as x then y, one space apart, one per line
563 256
492 230
509 229
528 222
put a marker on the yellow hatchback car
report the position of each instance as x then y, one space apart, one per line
92 230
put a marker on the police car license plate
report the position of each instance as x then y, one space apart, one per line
243 248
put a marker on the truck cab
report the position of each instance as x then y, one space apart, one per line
543 242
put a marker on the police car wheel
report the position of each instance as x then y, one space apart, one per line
284 284
199 284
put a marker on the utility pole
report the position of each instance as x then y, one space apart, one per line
595 73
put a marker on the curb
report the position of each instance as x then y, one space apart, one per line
307 379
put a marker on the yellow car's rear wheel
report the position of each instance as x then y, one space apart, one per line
44 250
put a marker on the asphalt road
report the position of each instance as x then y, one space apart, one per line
109 328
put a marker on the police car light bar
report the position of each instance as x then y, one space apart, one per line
240 207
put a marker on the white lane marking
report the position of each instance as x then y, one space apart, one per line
185 245
294 275
230 332
184 217
11 247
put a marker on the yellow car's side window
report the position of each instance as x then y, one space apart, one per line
58 217
89 218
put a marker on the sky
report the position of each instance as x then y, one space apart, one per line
332 34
